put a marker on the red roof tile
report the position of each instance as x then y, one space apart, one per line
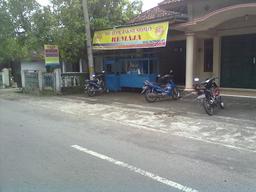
155 13
171 2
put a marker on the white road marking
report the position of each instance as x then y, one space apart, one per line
136 170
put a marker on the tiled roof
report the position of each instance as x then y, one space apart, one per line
165 2
154 14
175 5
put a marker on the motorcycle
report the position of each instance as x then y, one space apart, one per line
209 94
96 85
153 91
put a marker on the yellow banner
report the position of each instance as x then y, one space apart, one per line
51 54
143 36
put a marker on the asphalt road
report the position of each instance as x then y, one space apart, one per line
44 149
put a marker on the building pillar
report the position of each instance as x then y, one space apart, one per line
57 73
190 60
216 57
40 80
23 79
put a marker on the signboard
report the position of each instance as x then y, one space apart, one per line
143 36
51 54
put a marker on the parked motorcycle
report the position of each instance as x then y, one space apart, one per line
209 94
154 91
96 85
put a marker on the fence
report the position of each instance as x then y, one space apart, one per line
41 82
38 81
73 82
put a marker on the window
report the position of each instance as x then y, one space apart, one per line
208 55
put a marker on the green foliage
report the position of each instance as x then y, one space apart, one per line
110 13
26 26
15 31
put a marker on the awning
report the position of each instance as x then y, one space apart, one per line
136 37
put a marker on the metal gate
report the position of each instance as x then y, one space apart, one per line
31 81
49 81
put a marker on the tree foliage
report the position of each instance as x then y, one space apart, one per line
16 25
26 26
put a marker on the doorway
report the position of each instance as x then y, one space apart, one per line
238 61
173 56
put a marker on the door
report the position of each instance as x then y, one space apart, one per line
253 64
173 56
238 61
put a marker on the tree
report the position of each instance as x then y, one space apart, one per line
6 31
16 24
111 13
26 26
70 33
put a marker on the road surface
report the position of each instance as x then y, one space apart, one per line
47 149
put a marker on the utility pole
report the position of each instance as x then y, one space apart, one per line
88 38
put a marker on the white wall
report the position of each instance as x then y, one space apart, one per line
238 26
5 77
31 66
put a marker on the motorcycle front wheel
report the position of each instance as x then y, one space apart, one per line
221 103
209 108
149 96
175 93
85 88
91 91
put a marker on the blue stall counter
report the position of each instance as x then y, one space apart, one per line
112 82
134 80
130 71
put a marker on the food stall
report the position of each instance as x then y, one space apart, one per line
129 72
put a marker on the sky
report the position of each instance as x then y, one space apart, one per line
147 4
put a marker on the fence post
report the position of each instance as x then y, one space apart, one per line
40 80
63 67
57 74
23 79
1 80
80 65
6 78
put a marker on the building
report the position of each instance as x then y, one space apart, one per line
205 38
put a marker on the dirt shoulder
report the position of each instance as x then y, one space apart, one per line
233 127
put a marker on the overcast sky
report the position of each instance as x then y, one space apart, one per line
147 4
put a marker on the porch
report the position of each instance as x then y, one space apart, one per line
223 44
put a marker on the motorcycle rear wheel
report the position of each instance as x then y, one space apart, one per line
149 98
90 91
209 108
222 105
